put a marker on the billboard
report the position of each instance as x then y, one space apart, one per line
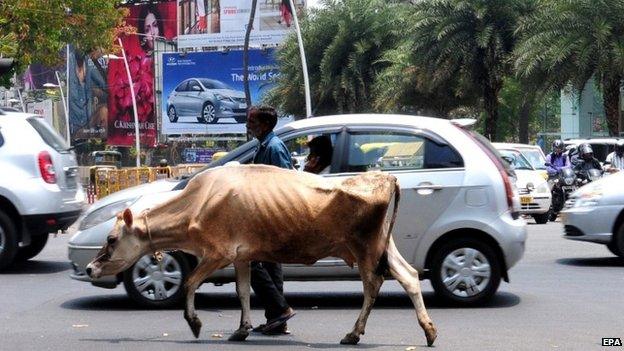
152 21
204 23
203 92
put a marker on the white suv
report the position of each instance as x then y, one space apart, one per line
458 220
39 189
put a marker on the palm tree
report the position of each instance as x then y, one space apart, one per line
469 42
572 41
344 41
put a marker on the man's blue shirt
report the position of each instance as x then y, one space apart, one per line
272 151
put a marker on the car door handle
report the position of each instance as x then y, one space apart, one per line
429 187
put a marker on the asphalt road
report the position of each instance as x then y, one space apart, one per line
563 295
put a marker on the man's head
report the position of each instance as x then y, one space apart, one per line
619 147
261 121
586 152
558 147
124 245
320 156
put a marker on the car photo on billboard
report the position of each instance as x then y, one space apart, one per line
207 100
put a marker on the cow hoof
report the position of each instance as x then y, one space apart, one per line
239 335
350 339
195 325
431 335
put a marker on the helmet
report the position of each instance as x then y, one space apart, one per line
586 152
619 147
558 145
163 162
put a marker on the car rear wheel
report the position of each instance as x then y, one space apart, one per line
37 243
209 114
541 218
172 114
241 119
8 241
465 272
157 284
617 245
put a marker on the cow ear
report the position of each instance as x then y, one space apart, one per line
127 217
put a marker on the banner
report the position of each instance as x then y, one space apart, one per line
205 23
152 21
203 92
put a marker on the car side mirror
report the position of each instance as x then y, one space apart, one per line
196 88
548 164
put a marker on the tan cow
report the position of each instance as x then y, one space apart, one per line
237 214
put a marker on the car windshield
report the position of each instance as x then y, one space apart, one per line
535 158
214 84
516 159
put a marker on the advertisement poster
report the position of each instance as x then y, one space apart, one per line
203 92
223 22
153 22
196 155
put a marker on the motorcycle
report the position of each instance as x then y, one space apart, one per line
589 175
564 183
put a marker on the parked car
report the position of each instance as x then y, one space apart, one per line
601 146
208 100
595 213
533 153
39 190
458 221
535 194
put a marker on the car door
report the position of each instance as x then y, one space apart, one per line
195 98
179 99
429 170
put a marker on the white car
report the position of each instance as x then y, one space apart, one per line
535 193
533 153
595 213
458 222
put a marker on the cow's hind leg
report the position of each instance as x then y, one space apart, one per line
372 283
201 272
243 276
407 276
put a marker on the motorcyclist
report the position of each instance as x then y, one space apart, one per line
615 160
557 160
587 161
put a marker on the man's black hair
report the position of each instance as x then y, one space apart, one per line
264 114
321 146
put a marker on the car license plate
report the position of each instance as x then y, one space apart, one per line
525 200
242 105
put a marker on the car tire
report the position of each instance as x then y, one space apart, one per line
37 243
172 114
241 119
542 218
209 114
484 262
154 287
8 241
617 245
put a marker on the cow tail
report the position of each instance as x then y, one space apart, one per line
382 266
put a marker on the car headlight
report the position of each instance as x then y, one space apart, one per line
543 188
105 213
221 97
589 198
568 181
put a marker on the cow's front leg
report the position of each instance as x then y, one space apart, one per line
243 276
203 270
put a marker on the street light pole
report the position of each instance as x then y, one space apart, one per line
304 63
134 106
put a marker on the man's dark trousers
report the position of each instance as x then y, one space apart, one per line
267 283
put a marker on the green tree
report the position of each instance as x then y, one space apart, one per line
344 43
470 42
571 42
37 31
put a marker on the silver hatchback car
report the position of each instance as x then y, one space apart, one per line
458 221
208 100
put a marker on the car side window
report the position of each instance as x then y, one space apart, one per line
181 87
300 151
397 151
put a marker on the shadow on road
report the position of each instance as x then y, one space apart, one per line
253 340
592 262
325 300
37 267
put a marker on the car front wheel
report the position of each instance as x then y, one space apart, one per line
157 284
617 245
209 114
465 272
541 218
172 114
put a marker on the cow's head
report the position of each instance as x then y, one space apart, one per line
125 244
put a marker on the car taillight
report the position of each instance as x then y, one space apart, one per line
46 167
501 170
